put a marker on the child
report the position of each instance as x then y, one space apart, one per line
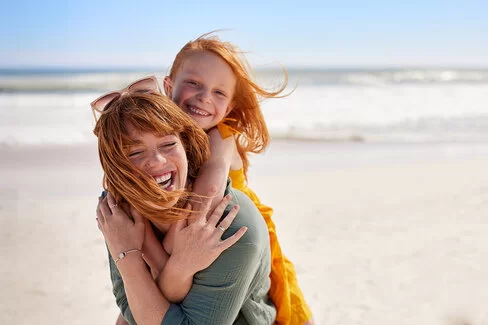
210 82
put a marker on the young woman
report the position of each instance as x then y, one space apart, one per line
151 151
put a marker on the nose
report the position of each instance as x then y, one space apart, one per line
155 158
204 95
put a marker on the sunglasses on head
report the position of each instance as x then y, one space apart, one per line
144 85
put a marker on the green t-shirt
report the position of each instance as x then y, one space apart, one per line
234 289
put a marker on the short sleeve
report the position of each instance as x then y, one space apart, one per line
225 129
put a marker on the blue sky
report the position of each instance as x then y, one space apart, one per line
297 34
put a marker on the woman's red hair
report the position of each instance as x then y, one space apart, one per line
157 114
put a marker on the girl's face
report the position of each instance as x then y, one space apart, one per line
163 158
204 88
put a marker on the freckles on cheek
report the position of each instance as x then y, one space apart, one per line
136 167
176 97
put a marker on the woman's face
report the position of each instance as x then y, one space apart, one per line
163 158
204 88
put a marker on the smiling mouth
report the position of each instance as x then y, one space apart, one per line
165 181
196 111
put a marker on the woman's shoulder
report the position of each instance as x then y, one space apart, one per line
248 216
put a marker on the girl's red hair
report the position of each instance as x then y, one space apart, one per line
246 116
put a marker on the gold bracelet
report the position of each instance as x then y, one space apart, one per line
124 254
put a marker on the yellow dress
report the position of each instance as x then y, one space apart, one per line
291 308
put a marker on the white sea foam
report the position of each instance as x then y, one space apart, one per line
410 112
46 118
373 107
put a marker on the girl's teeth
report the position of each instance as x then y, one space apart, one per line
198 111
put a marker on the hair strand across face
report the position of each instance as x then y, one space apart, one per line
157 114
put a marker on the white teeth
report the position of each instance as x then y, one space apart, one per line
198 111
164 181
163 178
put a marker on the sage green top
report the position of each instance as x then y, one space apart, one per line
234 289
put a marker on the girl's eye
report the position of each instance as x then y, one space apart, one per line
192 82
220 93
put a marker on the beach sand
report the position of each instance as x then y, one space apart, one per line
379 233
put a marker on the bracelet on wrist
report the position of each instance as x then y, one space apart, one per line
124 254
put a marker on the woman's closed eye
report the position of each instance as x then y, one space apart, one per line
167 145
135 153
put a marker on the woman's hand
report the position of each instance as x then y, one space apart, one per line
197 243
120 232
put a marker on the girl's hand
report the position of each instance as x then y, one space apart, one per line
198 243
120 232
152 249
169 237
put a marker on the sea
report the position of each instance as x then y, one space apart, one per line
400 105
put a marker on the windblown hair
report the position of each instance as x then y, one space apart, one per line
159 115
246 116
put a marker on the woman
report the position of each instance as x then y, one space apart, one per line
150 151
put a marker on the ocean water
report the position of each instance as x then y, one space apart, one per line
395 105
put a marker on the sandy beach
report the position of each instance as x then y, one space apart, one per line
379 233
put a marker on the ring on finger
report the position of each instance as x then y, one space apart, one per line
222 228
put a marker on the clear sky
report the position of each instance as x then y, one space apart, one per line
299 33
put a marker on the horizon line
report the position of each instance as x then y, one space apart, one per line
87 68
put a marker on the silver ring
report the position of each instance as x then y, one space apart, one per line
222 228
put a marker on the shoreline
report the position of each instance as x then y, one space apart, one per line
48 154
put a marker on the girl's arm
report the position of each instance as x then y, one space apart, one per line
196 246
216 169
175 279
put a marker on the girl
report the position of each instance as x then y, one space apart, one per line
210 82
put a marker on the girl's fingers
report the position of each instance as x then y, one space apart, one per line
180 224
146 222
219 211
232 239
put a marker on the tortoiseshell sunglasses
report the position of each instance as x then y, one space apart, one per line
145 85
